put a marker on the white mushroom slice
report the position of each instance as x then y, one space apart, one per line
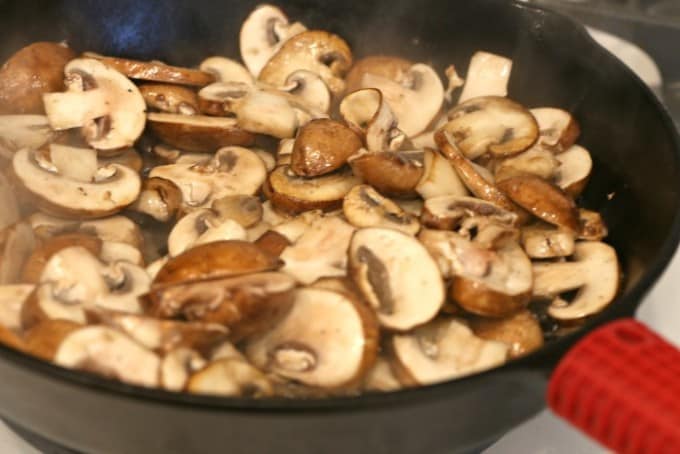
8 201
414 207
117 229
110 353
178 365
23 131
593 271
381 377
60 195
365 207
310 89
267 158
547 242
267 113
272 216
367 111
464 214
558 129
262 34
227 70
331 352
487 75
415 99
222 98
230 377
79 164
17 242
102 101
491 124
321 251
154 267
574 171
225 350
293 228
247 210
537 160
443 350
120 252
439 177
397 276
200 227
231 171
12 298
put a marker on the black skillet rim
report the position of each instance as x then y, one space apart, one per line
537 361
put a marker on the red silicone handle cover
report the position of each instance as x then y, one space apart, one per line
621 386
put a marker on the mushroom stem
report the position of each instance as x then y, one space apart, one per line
75 109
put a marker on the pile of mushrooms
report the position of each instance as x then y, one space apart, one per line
299 225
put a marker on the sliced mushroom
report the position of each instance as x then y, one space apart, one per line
198 133
294 194
520 331
43 340
387 67
128 157
368 112
155 71
394 174
200 227
411 206
381 377
272 242
32 71
593 227
267 158
74 163
397 276
547 242
365 207
464 214
117 229
491 124
316 51
16 243
245 209
177 366
267 113
23 131
227 70
33 268
415 98
439 177
112 253
574 171
223 98
558 129
293 228
284 152
308 89
487 75
230 377
159 198
321 251
10 207
246 305
441 351
12 299
105 104
172 99
108 352
536 160
263 33
332 352
154 267
231 171
322 146
543 200
593 271
115 187
216 260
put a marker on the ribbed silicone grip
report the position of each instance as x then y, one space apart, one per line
621 386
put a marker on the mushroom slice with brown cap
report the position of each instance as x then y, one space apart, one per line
327 340
198 133
216 260
245 209
593 227
547 242
12 299
104 103
8 201
537 160
272 242
415 98
487 75
267 113
368 112
397 276
316 51
154 71
263 33
226 70
559 130
23 131
521 331
443 350
117 187
463 214
267 158
388 67
108 352
230 377
43 340
177 366
245 305
574 171
392 173
118 229
16 243
231 171
294 194
79 164
322 146
170 98
128 157
491 124
223 98
542 199
112 253
159 198
200 227
365 207
439 177
593 271
321 251
32 71
294 227
309 89
33 268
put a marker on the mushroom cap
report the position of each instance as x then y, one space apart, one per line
387 67
43 340
547 242
172 99
439 177
66 197
23 131
521 331
327 339
443 350
488 75
226 70
397 276
367 112
230 377
322 146
200 227
198 133
574 171
117 229
559 130
365 207
33 70
159 198
537 160
34 265
391 173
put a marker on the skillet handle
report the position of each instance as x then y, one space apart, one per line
621 386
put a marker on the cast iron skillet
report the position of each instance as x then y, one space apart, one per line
555 64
